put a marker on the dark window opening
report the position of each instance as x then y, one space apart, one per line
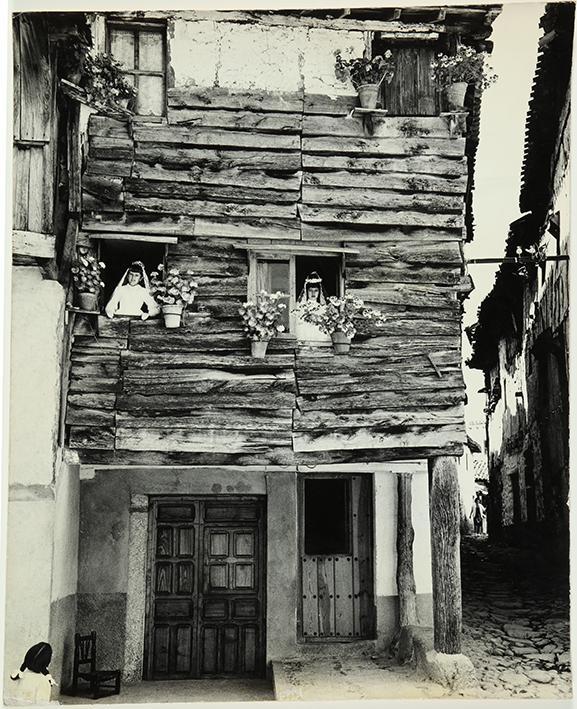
118 255
328 268
327 517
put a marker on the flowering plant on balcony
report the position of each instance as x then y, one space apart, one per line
261 316
465 66
87 272
104 81
339 315
172 287
362 70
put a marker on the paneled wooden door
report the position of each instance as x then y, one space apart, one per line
206 593
337 597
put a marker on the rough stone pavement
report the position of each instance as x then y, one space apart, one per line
515 621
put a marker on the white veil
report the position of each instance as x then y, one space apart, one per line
124 280
313 279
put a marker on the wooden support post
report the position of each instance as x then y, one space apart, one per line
405 536
445 552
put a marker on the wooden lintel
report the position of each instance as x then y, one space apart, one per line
295 249
123 236
32 243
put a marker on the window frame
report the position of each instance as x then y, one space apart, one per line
135 28
255 257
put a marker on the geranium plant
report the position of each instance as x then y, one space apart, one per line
362 70
172 287
104 81
87 272
466 65
339 315
261 316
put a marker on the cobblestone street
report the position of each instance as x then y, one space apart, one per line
515 622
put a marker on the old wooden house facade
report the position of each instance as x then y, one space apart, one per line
521 338
227 511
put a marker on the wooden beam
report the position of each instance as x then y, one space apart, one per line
445 548
406 587
33 243
123 236
296 249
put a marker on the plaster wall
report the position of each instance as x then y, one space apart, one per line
37 314
206 53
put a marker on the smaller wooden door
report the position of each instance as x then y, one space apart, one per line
206 603
337 602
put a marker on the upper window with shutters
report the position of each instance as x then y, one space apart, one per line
141 50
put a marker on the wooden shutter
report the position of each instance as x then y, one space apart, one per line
412 90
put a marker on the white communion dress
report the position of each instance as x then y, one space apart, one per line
129 300
32 688
306 331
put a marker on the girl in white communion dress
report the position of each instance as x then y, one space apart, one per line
130 296
33 678
312 291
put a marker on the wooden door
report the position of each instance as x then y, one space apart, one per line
206 588
337 600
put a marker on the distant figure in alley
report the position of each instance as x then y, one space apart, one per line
478 513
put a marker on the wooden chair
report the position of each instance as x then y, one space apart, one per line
102 682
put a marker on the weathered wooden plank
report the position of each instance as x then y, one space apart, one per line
378 419
381 294
215 97
389 180
254 178
208 441
419 343
101 438
160 226
78 416
381 199
325 233
280 455
108 127
406 587
393 380
175 342
216 388
201 137
86 385
91 203
197 375
310 604
148 205
219 193
31 243
374 455
103 370
249 229
344 601
218 419
448 148
145 360
330 105
103 186
110 168
426 253
92 401
111 148
413 437
20 188
237 120
326 601
217 159
391 400
310 365
379 217
400 272
417 165
212 286
36 189
187 404
383 127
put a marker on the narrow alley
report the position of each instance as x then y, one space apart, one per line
515 621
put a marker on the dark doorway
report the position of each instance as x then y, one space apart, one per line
206 592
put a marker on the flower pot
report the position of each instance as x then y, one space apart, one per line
172 315
258 348
341 343
88 301
455 95
368 95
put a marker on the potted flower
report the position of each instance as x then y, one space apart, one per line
261 320
86 275
454 73
105 83
337 318
173 291
366 75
